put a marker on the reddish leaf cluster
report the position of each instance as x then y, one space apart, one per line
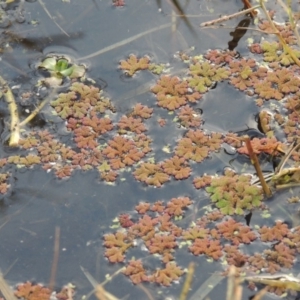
151 174
277 232
201 182
171 92
157 229
4 185
133 64
141 111
131 124
77 102
282 254
116 244
188 117
122 152
277 84
177 166
159 234
206 246
219 57
30 291
236 232
196 145
166 276
266 145
246 74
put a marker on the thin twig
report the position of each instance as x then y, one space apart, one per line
283 161
13 109
37 109
256 165
229 17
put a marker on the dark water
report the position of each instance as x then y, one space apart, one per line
81 206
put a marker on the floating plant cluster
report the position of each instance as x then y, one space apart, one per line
219 237
102 138
30 291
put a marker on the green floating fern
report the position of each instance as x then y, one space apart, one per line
234 193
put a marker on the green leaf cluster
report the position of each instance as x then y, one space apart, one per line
61 67
234 194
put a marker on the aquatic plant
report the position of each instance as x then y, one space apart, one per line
266 145
60 67
203 181
116 244
103 138
122 151
277 232
155 225
188 117
131 124
118 3
211 248
31 291
171 92
234 193
4 184
133 64
151 174
236 232
205 74
142 111
196 145
177 166
282 79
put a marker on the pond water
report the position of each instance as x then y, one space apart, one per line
82 206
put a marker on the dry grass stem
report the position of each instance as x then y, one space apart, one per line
14 123
229 17
188 282
55 258
5 289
